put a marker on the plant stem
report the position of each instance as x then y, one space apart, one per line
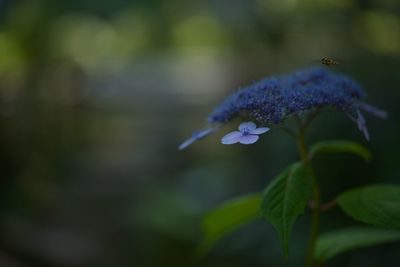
325 206
316 197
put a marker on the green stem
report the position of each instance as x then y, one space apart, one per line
316 197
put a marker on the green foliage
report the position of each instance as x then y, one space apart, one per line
340 146
377 205
285 199
333 243
229 216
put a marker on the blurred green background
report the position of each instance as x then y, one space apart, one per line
97 95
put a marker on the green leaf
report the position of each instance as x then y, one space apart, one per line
285 199
377 205
227 217
340 146
333 243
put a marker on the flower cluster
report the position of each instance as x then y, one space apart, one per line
272 100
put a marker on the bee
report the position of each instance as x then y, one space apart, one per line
329 62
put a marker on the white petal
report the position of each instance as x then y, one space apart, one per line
365 132
373 110
197 136
360 121
231 138
248 139
362 126
187 143
260 130
203 133
247 126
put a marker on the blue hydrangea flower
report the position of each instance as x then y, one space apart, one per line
247 134
273 100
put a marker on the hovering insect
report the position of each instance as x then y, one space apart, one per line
329 62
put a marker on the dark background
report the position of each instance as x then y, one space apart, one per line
97 95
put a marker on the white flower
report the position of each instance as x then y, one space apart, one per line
247 134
